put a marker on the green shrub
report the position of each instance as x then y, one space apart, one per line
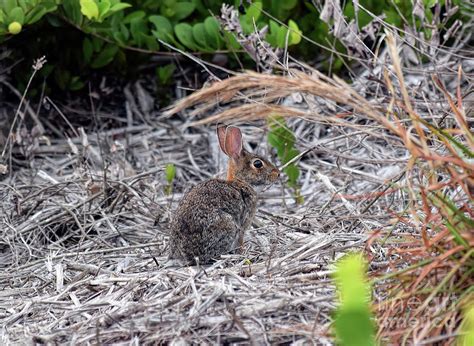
82 35
16 14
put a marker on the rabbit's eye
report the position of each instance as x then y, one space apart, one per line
258 163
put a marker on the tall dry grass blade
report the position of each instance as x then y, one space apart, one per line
458 113
392 45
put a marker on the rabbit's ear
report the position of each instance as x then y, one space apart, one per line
233 142
221 129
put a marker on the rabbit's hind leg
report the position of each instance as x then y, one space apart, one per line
223 237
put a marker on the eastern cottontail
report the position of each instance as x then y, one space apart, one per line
212 217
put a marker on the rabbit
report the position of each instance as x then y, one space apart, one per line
212 217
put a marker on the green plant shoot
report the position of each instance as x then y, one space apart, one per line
170 173
353 323
283 140
467 327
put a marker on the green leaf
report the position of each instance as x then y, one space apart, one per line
162 24
133 16
184 33
288 4
104 8
167 37
87 50
284 137
124 31
9 5
55 21
165 73
272 35
170 172
24 6
276 121
97 43
292 173
89 9
168 12
17 15
120 6
150 42
282 37
35 14
116 18
122 35
253 12
283 140
352 285
76 83
231 40
392 17
138 29
247 27
119 38
430 3
273 139
290 154
199 35
295 33
105 57
182 10
203 10
73 11
212 29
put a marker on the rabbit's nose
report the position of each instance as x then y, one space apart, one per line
275 173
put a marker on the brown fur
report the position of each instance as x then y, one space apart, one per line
212 217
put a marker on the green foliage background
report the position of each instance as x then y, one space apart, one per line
80 36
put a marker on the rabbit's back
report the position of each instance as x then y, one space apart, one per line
211 220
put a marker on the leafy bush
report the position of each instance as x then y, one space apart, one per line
15 14
83 35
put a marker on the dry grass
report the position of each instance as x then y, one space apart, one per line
426 298
83 253
84 223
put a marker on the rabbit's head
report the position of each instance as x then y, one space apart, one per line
244 166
